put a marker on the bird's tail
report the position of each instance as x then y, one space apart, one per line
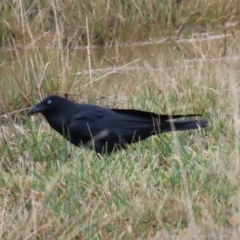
181 125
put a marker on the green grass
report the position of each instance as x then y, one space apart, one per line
166 186
107 22
183 185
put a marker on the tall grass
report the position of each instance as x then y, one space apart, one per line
63 22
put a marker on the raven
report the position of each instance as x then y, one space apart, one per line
106 130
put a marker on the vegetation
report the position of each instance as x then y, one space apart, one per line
172 186
65 22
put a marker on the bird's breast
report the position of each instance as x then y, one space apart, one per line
58 124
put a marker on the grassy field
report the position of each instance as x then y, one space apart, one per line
173 186
54 23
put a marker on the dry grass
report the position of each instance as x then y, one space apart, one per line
173 186
64 23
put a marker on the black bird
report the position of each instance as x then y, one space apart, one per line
106 130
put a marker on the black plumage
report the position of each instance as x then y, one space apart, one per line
106 130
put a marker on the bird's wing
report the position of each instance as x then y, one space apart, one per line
102 125
150 115
92 122
124 122
86 123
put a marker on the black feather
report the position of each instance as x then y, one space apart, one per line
106 130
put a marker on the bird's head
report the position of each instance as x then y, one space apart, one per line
49 105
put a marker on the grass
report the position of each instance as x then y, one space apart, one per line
56 23
174 186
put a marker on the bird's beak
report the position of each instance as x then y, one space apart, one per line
35 109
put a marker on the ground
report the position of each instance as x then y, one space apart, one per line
172 186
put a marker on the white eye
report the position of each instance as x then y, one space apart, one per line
49 101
